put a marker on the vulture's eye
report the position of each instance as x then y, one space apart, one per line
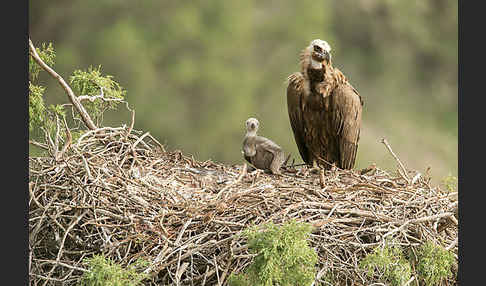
317 49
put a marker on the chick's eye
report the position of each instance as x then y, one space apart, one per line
317 49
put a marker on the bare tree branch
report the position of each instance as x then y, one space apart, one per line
383 140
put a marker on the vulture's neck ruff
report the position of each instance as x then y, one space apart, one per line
316 65
313 70
251 133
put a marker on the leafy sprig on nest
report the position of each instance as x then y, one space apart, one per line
106 272
283 256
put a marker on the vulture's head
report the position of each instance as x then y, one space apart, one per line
319 51
252 125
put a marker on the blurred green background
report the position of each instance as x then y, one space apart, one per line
196 70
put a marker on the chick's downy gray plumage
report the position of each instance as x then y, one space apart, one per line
259 151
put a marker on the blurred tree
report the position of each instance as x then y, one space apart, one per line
195 71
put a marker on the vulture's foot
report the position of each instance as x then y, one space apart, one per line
315 168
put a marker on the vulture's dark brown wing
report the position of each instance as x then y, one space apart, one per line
294 107
346 123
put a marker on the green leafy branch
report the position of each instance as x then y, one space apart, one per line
98 93
430 264
104 271
283 256
78 106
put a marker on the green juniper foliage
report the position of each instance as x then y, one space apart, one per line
104 271
91 83
450 183
37 109
284 256
36 105
433 263
47 54
387 263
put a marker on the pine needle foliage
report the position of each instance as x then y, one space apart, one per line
105 272
283 256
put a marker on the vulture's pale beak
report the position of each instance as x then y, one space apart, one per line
320 56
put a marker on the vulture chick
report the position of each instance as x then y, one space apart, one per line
324 110
261 152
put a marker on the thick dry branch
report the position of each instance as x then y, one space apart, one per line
79 107
38 144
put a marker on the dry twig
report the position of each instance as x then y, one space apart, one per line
187 222
383 140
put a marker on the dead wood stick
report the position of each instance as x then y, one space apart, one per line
238 180
181 232
216 267
383 140
132 122
139 140
112 215
454 220
47 278
59 253
356 212
68 141
180 271
205 275
63 264
223 276
56 139
40 145
430 218
286 161
242 174
79 107
187 254
452 244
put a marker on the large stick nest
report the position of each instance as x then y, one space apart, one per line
119 193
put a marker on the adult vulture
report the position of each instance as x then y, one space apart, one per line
324 110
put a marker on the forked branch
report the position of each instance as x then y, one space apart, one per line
79 107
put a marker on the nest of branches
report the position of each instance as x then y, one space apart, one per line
118 192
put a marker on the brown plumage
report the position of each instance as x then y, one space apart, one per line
259 151
324 110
